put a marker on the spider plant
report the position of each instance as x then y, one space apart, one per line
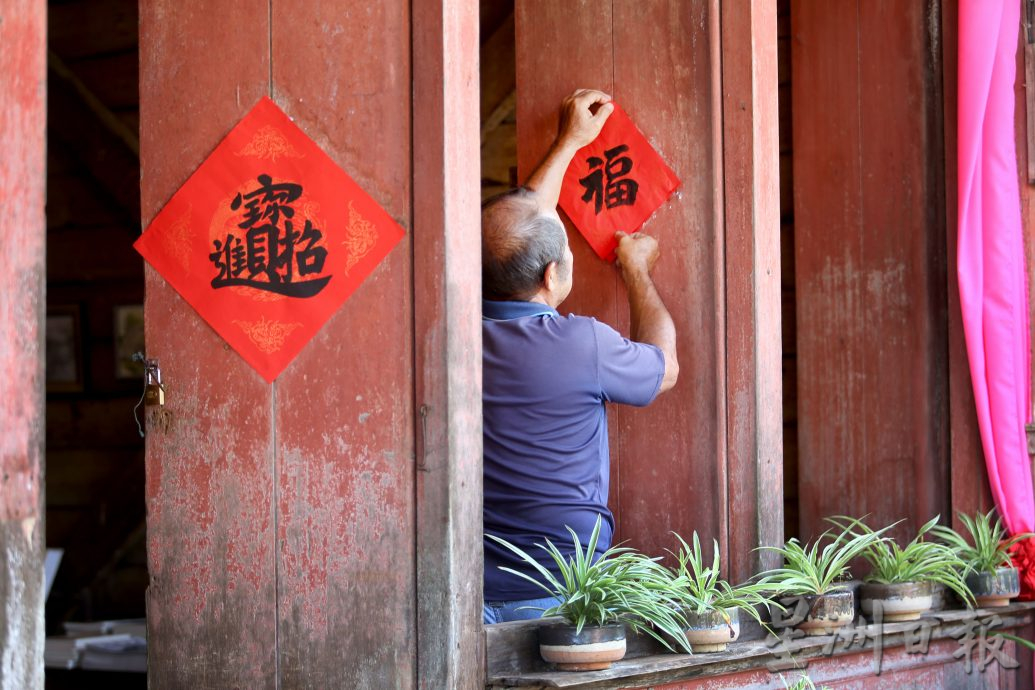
703 590
620 586
803 683
811 570
917 561
990 549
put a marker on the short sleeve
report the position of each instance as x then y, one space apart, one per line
629 373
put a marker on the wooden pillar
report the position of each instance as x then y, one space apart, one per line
447 308
754 432
23 117
969 489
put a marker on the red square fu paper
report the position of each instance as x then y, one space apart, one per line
615 183
268 238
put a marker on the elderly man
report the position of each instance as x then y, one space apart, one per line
548 377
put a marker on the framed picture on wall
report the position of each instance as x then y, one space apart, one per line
129 339
64 358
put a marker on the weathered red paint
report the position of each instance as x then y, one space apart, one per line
751 167
447 344
938 669
343 410
23 28
210 478
869 257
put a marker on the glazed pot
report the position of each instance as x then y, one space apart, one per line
712 631
995 589
821 614
593 649
902 601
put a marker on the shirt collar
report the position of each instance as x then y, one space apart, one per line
505 311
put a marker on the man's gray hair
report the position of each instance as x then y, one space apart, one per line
518 243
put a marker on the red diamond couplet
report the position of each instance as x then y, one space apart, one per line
268 238
615 183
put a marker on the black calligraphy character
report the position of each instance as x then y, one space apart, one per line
311 258
229 258
620 190
271 249
267 202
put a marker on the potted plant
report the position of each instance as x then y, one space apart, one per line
711 605
990 574
813 579
598 598
903 580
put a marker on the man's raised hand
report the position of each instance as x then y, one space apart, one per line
637 253
579 124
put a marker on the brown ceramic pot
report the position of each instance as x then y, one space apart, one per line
821 614
592 649
995 589
712 631
904 601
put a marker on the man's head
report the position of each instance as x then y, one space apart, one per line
525 254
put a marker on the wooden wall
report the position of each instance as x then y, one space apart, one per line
22 246
870 258
705 455
283 519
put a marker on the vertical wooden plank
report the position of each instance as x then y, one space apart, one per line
969 490
904 255
23 117
752 278
672 469
447 269
580 56
870 318
343 409
211 601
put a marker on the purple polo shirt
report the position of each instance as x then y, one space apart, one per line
545 381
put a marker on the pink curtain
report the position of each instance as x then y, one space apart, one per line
992 282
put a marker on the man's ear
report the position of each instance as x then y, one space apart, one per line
551 276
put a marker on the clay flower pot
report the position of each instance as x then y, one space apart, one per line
822 614
593 649
995 589
902 601
711 632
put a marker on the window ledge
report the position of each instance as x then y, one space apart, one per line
513 654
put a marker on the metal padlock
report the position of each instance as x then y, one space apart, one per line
154 392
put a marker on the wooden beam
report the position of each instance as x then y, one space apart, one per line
23 30
497 75
96 136
751 166
447 308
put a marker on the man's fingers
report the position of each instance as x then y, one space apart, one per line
587 97
619 234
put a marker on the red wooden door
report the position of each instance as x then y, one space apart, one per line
283 518
654 59
870 261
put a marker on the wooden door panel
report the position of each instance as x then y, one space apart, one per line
344 408
869 255
655 59
210 484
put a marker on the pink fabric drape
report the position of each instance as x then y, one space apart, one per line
992 282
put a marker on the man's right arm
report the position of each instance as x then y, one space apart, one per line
650 320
